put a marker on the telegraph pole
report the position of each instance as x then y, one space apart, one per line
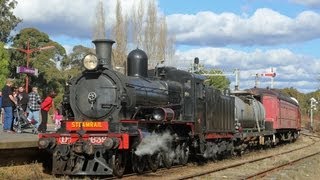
29 51
313 103
270 74
237 74
256 80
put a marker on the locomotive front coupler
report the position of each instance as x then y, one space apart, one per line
83 147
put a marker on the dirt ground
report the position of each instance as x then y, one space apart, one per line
306 169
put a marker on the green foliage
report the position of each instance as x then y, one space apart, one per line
8 21
74 59
4 63
303 99
218 81
50 77
72 65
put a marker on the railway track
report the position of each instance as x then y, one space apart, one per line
18 157
277 168
176 168
261 173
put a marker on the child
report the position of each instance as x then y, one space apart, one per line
57 117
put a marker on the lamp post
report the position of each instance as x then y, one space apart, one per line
313 103
29 51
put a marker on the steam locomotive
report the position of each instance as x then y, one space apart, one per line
158 118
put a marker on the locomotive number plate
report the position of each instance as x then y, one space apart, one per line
64 140
87 125
97 140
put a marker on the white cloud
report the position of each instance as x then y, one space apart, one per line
309 3
296 70
264 27
69 18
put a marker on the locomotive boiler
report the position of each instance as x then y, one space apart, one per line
101 93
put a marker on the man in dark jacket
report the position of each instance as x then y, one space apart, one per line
23 98
8 102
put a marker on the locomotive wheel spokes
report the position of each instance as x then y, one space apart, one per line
138 163
184 154
167 159
154 161
119 164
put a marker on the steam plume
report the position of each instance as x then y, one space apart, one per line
154 143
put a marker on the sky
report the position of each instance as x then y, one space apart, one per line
250 35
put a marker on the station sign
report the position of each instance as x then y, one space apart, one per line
26 70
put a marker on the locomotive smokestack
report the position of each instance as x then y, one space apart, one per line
103 51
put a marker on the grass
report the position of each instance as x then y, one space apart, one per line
33 171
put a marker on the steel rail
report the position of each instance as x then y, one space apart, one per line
249 161
265 172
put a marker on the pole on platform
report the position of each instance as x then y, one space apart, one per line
29 51
313 103
237 74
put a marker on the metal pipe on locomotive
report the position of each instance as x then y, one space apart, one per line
163 115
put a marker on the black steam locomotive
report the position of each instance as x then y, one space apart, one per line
149 118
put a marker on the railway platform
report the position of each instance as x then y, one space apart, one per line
20 140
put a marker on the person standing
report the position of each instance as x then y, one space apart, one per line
45 107
8 102
34 108
23 98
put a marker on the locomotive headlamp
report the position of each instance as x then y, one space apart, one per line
90 62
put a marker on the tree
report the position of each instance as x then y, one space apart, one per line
217 80
99 28
162 40
72 65
120 34
137 22
302 98
4 63
74 59
150 38
150 32
170 48
50 77
8 21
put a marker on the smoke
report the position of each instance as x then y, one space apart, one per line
154 143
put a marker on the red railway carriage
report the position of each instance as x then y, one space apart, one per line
282 112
